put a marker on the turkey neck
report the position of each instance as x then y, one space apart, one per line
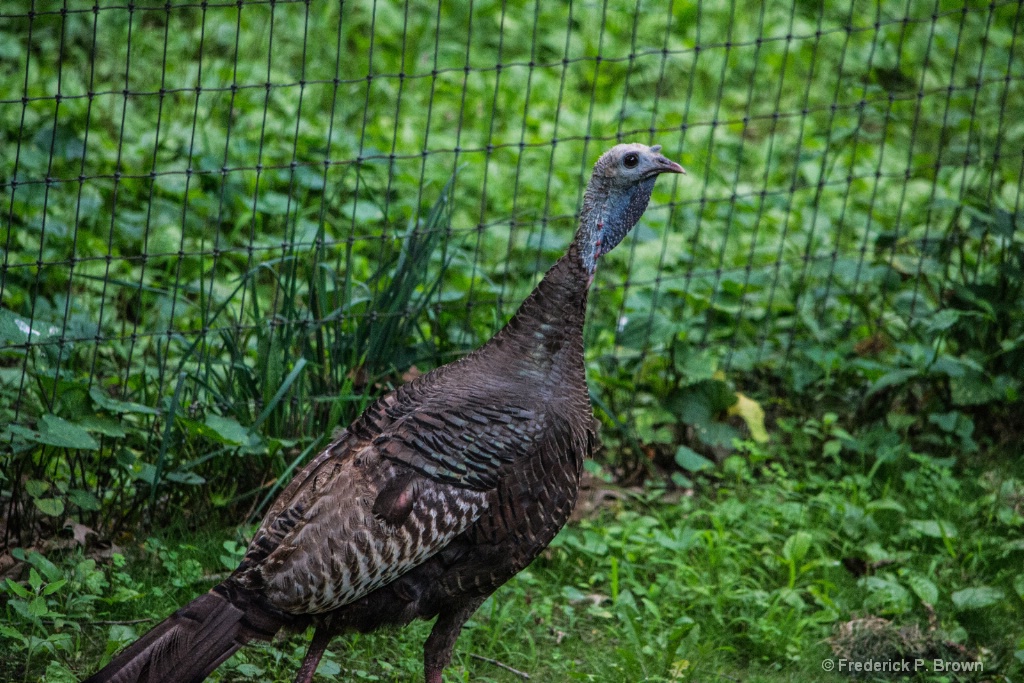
548 326
554 313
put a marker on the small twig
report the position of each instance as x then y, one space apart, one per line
501 665
102 622
212 578
115 622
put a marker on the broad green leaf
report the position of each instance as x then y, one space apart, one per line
715 433
251 671
885 592
923 588
121 633
59 673
52 588
934 528
899 422
146 473
54 507
945 421
695 366
18 589
101 425
51 571
28 434
36 488
642 329
228 430
691 461
56 431
943 320
796 547
951 366
274 203
185 477
977 598
86 500
892 378
720 394
573 594
71 395
37 607
654 426
64 432
18 330
115 406
362 211
973 388
34 579
681 481
328 669
885 504
12 633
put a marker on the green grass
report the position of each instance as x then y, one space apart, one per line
745 579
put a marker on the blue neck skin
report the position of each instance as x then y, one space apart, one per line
608 215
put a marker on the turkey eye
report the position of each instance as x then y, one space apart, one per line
631 160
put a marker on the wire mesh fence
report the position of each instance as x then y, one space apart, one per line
225 224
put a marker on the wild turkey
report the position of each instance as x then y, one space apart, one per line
436 495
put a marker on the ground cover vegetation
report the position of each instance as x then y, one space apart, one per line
227 228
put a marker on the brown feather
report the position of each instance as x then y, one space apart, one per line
394 502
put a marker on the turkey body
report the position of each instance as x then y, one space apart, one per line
439 493
443 489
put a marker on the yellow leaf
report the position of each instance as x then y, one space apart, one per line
753 414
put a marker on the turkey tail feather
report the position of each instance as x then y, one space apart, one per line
190 643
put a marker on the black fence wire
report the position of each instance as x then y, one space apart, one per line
227 225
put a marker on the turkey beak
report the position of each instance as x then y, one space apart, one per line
666 166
